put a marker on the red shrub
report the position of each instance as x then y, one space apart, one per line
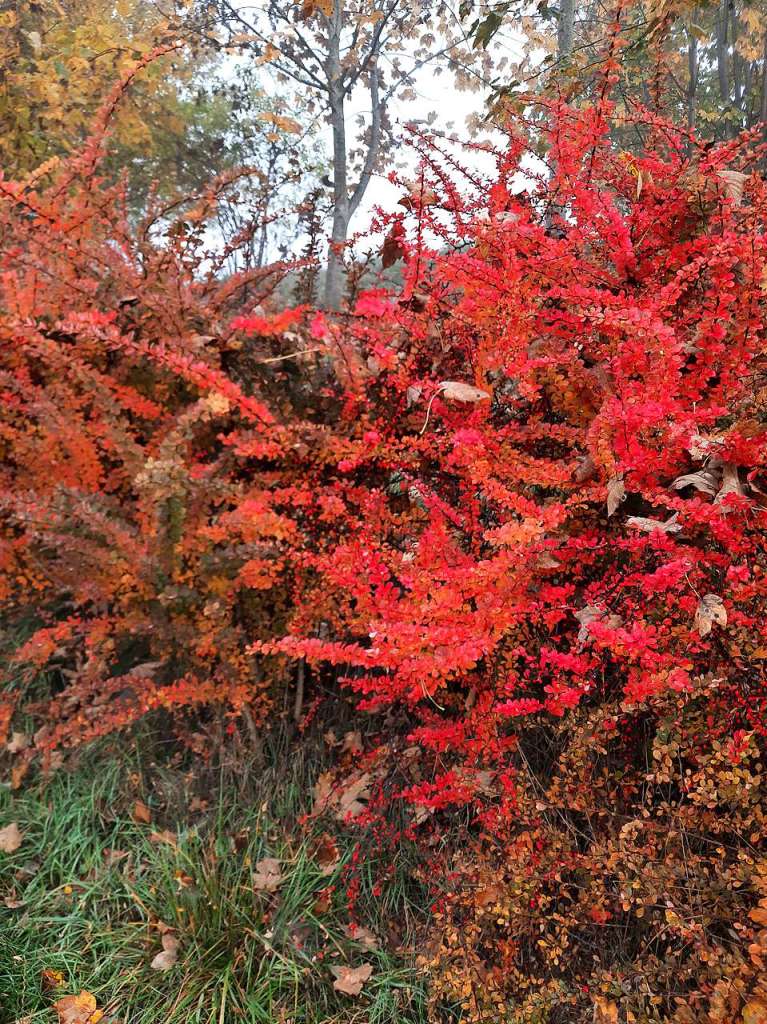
524 501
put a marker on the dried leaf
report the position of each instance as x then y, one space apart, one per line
166 836
605 1011
352 799
167 958
706 480
10 838
19 741
350 980
733 182
358 933
141 813
616 494
460 392
710 610
755 1012
326 854
649 525
730 482
393 248
80 1009
52 979
267 876
311 7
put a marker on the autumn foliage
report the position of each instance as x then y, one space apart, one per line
518 510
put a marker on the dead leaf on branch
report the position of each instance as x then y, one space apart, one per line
167 958
649 525
616 494
267 876
311 7
706 480
350 980
730 482
710 611
733 183
79 1009
10 838
457 391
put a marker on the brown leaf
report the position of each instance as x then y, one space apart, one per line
605 1011
730 482
10 838
311 7
326 854
12 903
393 249
19 741
352 797
733 183
80 1009
706 480
166 836
112 857
710 610
350 980
460 392
648 525
755 1012
352 742
167 958
141 813
358 933
267 876
616 493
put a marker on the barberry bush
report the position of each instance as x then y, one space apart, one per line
517 509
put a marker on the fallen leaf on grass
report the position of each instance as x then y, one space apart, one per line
12 903
326 854
267 876
167 958
141 813
52 979
10 838
19 741
164 837
80 1009
112 857
350 980
358 933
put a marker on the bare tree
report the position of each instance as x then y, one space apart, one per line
328 49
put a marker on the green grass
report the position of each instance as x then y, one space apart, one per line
245 957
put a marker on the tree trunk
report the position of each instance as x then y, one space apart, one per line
721 53
565 28
334 275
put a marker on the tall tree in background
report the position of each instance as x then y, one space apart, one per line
329 49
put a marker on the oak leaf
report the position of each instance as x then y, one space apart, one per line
350 980
267 876
10 838
710 611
